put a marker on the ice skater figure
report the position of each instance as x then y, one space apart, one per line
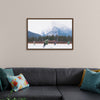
55 43
45 42
68 42
33 42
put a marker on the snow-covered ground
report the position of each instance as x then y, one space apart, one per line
49 46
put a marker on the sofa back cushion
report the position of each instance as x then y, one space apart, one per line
69 76
38 76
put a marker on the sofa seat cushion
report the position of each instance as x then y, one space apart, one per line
74 93
69 76
37 93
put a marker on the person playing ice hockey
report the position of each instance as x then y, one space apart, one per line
33 42
55 43
45 42
68 42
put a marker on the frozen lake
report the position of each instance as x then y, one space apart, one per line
49 46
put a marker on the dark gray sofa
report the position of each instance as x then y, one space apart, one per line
52 84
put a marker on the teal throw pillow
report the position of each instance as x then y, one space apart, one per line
91 81
1 89
3 78
9 71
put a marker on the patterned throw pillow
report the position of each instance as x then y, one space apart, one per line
18 82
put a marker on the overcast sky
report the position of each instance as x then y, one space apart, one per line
39 26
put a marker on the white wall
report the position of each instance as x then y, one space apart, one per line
86 14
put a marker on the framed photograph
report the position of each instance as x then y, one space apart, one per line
49 33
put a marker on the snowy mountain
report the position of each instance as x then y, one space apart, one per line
63 31
60 31
31 34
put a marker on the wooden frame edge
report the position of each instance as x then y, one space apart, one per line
50 18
